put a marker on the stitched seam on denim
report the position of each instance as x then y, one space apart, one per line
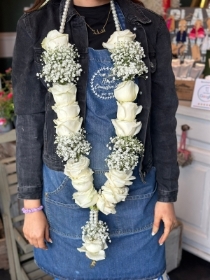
71 206
143 196
99 171
62 185
54 275
129 231
115 233
162 191
100 60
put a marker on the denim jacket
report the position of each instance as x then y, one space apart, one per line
33 103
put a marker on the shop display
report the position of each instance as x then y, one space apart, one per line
191 36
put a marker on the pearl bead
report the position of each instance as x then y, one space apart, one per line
64 16
115 17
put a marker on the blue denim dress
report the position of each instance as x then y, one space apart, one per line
133 252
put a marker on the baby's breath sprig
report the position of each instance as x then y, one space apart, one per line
125 153
127 58
60 65
96 231
71 147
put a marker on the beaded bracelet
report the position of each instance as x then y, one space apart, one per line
32 210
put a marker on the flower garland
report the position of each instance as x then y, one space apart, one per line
61 70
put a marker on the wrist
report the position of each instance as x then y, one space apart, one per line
32 210
33 203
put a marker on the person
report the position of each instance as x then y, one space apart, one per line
140 225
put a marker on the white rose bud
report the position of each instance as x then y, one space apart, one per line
94 249
120 178
73 170
124 128
105 206
114 194
127 111
119 36
126 91
68 127
66 112
55 39
84 181
86 199
64 94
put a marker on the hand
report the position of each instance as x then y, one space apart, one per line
36 229
164 211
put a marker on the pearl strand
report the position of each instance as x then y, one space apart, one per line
116 21
64 16
65 11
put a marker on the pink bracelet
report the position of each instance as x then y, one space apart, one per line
32 210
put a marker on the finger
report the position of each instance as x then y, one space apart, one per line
165 235
156 225
33 242
47 235
41 243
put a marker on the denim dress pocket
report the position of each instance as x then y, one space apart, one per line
64 216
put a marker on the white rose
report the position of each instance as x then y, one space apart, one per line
55 39
84 182
119 36
73 170
86 199
64 94
65 112
105 206
126 91
68 127
124 128
114 194
94 249
120 178
127 111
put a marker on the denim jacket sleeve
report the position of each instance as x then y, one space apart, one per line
29 99
163 121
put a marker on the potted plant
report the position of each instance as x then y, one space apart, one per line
6 102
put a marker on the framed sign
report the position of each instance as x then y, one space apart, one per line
201 95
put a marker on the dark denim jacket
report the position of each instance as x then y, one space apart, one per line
35 128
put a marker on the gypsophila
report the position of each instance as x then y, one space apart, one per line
127 59
60 65
98 231
71 147
125 153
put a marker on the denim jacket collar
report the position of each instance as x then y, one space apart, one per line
134 13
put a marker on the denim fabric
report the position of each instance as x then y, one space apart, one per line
133 253
162 277
35 127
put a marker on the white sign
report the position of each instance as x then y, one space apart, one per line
201 95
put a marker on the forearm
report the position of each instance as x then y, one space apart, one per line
163 121
29 155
